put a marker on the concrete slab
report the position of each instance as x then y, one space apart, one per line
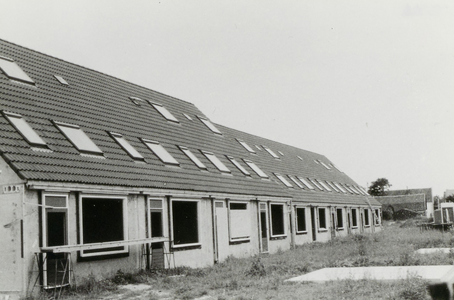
434 250
434 274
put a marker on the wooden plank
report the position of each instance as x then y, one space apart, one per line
79 247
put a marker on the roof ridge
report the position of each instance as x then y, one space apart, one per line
92 70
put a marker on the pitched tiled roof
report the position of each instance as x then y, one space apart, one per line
99 104
426 191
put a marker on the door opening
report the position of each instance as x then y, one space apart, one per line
313 225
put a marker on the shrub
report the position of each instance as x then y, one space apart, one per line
257 268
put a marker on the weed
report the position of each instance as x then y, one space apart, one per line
257 268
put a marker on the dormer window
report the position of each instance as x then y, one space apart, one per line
13 71
271 152
306 183
61 79
237 164
78 138
210 125
255 168
126 146
192 157
160 152
246 146
283 180
24 129
164 112
216 162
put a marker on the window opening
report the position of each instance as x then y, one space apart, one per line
306 183
78 138
164 112
156 220
13 71
19 123
354 218
187 117
321 218
238 165
333 186
340 187
277 220
185 223
216 162
192 157
271 152
256 169
340 218
61 80
239 221
283 180
366 217
160 152
300 220
377 217
126 146
295 181
246 146
210 125
103 220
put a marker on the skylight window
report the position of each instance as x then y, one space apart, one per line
347 188
258 147
78 138
246 146
271 152
160 152
333 186
192 157
136 101
306 183
24 129
300 158
283 180
61 80
354 189
216 162
335 167
364 190
210 125
255 168
325 165
280 152
126 146
316 184
13 71
237 164
325 186
164 112
187 117
340 187
296 181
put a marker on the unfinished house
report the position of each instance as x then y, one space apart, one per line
418 201
98 174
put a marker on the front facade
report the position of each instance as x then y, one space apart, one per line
98 174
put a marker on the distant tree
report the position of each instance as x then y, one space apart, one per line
450 198
378 187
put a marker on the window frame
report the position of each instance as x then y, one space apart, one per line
172 227
366 217
270 152
126 146
210 125
306 183
341 218
193 158
13 71
256 169
238 165
61 80
245 146
81 148
314 182
324 185
297 230
124 200
154 209
354 216
164 112
215 161
377 217
339 186
284 221
295 180
49 208
283 180
320 228
32 138
248 212
170 160
331 184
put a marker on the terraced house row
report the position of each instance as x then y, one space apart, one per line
99 174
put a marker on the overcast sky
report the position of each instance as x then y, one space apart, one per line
369 84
